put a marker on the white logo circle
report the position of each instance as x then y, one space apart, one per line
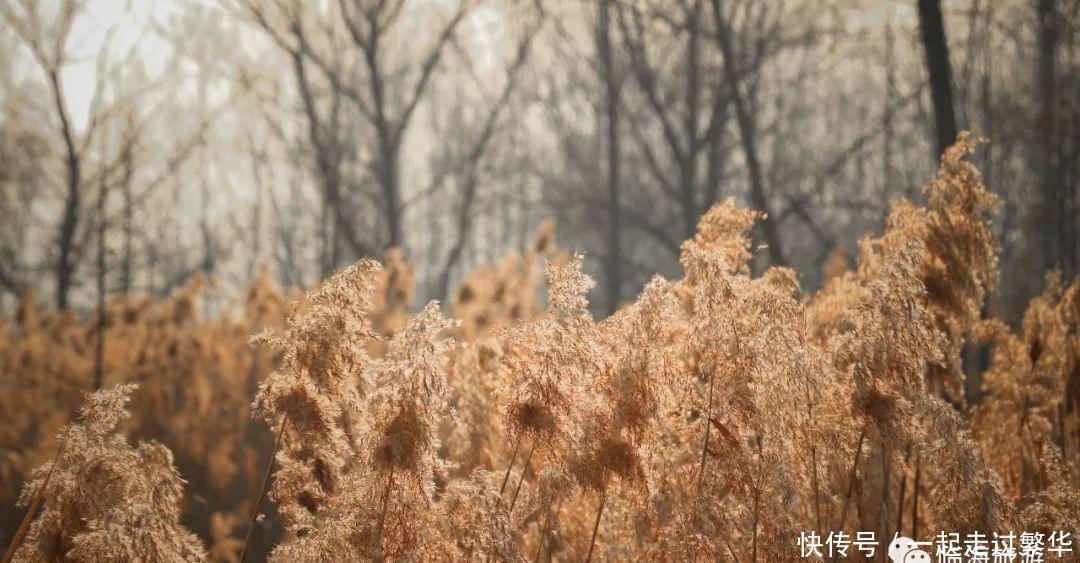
901 546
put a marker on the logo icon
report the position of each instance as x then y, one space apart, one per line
917 556
906 550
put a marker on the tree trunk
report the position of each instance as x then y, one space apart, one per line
936 48
209 251
471 174
758 196
887 168
688 167
718 154
613 264
388 137
102 290
127 265
388 177
1050 223
65 264
208 247
255 259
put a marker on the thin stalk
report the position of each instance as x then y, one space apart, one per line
39 494
543 536
547 529
596 524
900 495
262 489
813 464
705 441
102 290
376 555
753 540
915 501
828 512
731 550
886 467
708 410
851 481
757 505
817 502
816 483
506 477
524 470
1061 431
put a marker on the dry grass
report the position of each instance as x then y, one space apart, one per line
713 418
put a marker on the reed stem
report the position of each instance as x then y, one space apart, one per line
24 525
376 554
851 481
506 476
915 501
524 470
596 524
262 489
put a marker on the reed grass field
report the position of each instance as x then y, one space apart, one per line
540 281
718 416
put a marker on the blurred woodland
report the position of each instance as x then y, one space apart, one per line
144 142
174 172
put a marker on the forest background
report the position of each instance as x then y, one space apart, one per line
252 145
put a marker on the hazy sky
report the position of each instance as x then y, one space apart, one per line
125 25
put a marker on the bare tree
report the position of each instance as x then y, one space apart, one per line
611 83
1048 158
369 24
325 124
23 159
469 168
939 69
384 94
686 137
128 156
46 36
102 280
48 47
748 136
